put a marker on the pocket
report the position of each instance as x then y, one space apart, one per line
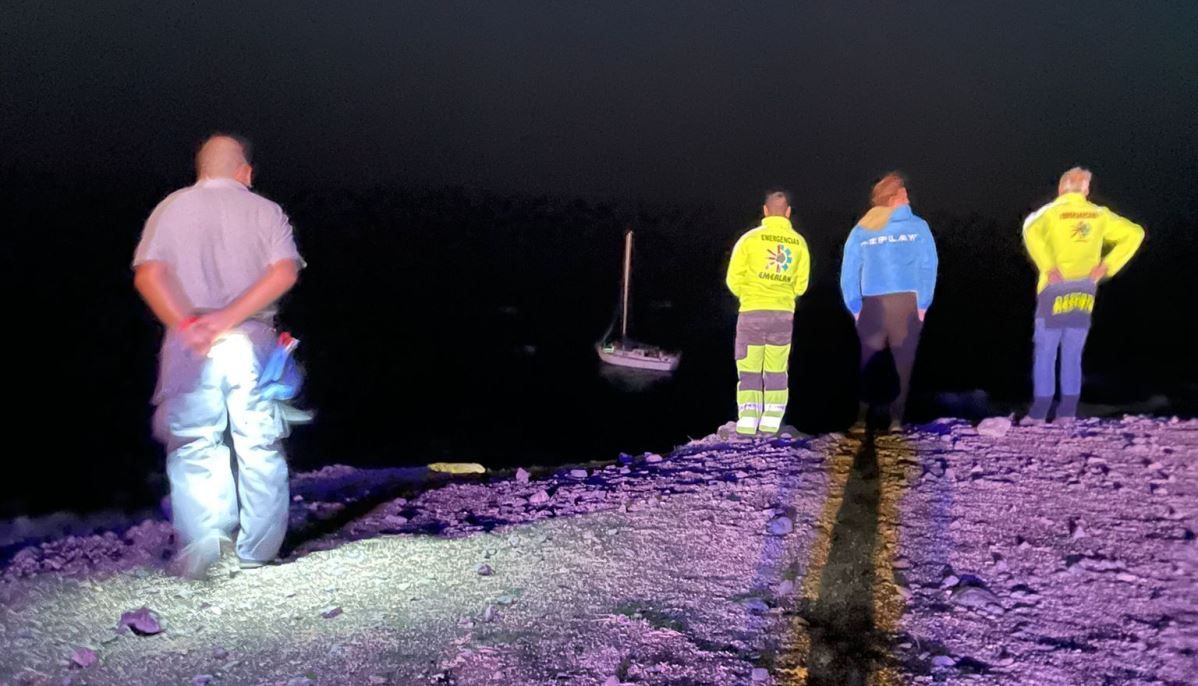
179 370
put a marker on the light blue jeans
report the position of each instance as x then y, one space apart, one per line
1071 342
198 398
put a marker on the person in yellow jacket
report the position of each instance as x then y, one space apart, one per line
770 267
1074 245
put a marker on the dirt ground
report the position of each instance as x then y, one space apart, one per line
1030 556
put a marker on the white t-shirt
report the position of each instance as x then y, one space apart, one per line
218 238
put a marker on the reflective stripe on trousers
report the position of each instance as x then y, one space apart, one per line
762 358
197 399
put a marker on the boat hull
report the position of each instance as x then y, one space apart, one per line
639 357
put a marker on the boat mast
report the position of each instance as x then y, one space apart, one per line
627 285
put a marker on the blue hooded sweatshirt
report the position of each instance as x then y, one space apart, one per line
889 251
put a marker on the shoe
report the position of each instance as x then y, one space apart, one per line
728 432
197 557
1032 421
255 564
895 427
1064 421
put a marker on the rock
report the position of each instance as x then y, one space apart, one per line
950 581
376 680
300 681
83 657
489 614
484 570
975 597
219 653
943 661
611 681
760 675
756 606
141 621
331 612
202 680
1023 592
780 526
506 600
994 427
522 476
578 474
653 458
395 520
538 498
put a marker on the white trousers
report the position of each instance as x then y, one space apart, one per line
198 398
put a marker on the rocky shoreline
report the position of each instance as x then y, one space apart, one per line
951 554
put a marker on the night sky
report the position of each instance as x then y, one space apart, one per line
432 156
982 104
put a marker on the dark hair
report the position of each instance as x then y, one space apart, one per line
775 194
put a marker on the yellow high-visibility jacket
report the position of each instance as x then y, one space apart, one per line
1070 233
770 267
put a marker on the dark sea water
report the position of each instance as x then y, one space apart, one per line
460 326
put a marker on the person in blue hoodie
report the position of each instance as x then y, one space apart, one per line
887 279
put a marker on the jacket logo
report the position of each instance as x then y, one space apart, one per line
899 238
780 260
1081 231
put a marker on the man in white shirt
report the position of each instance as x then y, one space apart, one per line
213 260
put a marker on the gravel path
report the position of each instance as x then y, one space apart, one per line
1043 556
1054 556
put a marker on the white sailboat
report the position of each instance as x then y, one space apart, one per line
624 352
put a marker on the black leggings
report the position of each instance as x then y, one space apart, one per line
888 321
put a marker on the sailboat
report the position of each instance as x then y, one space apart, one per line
624 352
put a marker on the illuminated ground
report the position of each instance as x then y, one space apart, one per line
1045 556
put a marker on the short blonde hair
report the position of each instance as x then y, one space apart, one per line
886 188
1076 180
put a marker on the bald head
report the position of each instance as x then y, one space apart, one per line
777 204
224 157
1076 180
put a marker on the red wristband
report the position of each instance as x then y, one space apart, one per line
188 321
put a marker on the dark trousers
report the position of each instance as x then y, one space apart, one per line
891 322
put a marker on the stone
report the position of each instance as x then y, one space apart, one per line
780 526
141 621
83 657
994 427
